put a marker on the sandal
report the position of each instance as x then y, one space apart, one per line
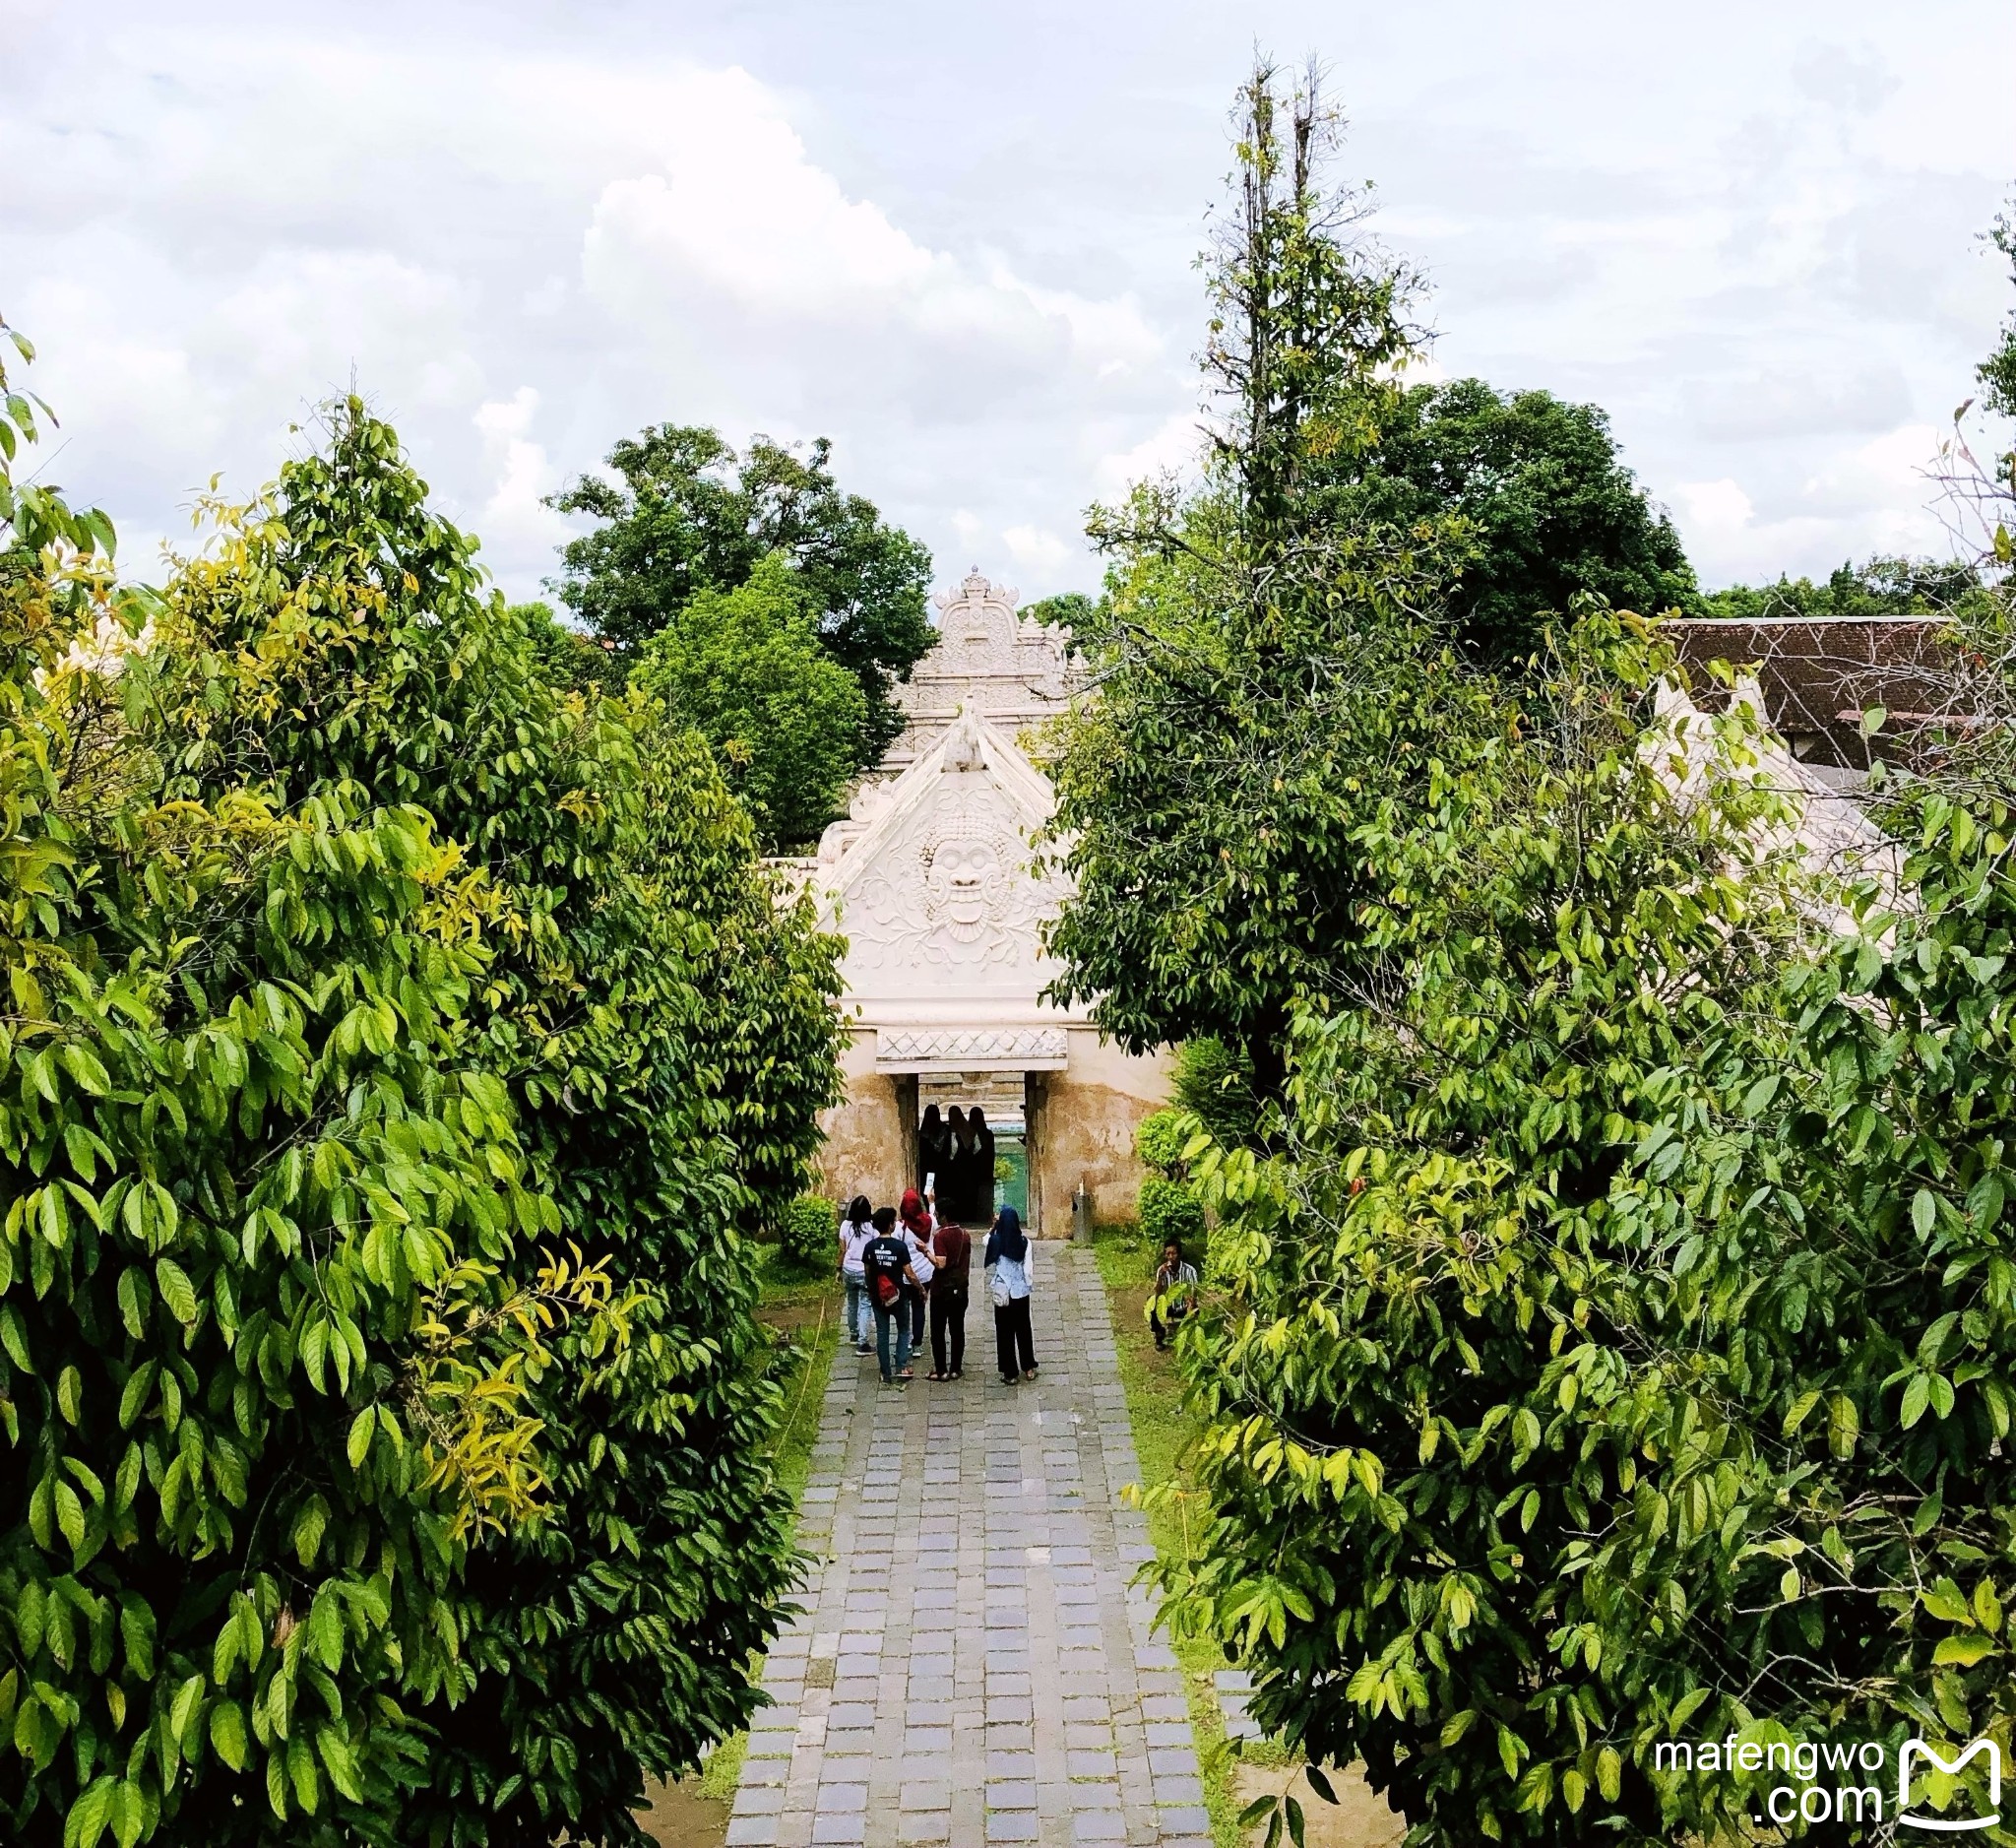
937 1376
1030 1375
906 1374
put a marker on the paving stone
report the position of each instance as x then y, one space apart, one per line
993 1675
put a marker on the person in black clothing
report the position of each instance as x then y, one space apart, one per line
886 1264
934 1154
980 1185
952 1185
952 1250
1011 1279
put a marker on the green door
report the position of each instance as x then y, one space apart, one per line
1011 1170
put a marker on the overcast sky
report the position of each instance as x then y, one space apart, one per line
960 239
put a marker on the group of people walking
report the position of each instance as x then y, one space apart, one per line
903 1266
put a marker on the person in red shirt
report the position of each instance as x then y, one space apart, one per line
952 1267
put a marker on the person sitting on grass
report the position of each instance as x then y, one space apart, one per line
1175 1293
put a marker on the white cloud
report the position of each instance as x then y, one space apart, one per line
1039 551
1174 446
1715 507
969 259
515 516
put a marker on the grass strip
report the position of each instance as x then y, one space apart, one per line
1166 1432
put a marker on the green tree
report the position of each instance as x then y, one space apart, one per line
270 1307
566 657
1549 510
1426 1369
1880 587
744 669
691 515
1266 673
1998 373
664 1030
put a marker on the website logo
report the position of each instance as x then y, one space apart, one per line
1915 1748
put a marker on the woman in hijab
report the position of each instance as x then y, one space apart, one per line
979 1186
1011 1276
934 1148
918 1226
952 1185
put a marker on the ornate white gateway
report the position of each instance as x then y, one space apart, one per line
935 883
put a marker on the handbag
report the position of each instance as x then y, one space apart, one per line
997 1286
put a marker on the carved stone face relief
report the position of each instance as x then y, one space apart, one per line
964 878
957 891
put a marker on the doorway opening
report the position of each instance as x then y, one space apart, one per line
972 1144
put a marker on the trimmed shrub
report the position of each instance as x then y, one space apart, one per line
806 1238
1169 1210
1158 1142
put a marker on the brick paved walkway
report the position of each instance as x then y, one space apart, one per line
973 1665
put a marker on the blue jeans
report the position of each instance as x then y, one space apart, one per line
899 1314
856 1309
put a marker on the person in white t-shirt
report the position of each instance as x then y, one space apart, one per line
856 1228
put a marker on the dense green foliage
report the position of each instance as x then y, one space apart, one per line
355 955
1548 511
744 669
1215 1085
1158 1139
1881 587
1620 1343
806 1238
565 657
1611 1327
691 515
270 1301
1169 1210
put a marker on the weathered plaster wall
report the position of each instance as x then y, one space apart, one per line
1085 1129
865 1141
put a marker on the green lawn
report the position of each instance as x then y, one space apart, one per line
1165 1434
802 1314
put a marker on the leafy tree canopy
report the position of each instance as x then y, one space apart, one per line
565 655
405 1049
1881 587
1998 373
692 515
745 670
1549 511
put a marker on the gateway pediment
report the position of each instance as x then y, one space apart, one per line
933 878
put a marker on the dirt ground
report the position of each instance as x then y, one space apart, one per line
679 1816
1357 1820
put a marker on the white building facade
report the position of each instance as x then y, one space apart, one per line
935 884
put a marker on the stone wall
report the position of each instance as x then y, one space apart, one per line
866 1147
1083 1128
1080 1130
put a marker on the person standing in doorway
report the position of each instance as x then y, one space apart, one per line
952 1253
952 1185
917 1225
856 1228
979 1186
1011 1279
886 1261
934 1153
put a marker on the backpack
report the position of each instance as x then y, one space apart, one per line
887 1284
